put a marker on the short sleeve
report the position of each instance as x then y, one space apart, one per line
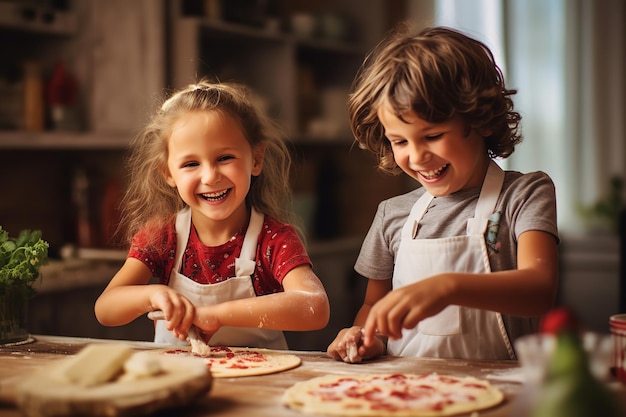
281 250
532 204
376 257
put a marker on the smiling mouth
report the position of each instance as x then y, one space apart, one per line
217 196
433 174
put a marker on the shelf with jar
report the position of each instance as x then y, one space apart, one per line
39 92
71 86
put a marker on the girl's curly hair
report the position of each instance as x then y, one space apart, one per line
438 73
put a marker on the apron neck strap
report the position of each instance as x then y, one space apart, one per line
244 265
410 228
489 193
183 227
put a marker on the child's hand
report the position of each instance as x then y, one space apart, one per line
405 307
179 312
348 346
206 320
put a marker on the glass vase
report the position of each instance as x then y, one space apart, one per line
13 309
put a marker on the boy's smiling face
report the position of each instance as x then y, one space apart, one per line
440 156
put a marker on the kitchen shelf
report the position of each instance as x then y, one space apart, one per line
231 30
18 140
37 19
293 74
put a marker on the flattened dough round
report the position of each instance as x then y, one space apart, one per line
392 395
227 362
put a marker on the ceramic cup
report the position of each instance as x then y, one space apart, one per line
617 324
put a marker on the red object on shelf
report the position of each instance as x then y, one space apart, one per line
62 89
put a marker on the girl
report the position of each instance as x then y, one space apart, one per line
466 263
207 215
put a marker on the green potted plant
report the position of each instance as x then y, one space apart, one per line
20 260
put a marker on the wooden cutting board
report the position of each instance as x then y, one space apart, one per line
40 394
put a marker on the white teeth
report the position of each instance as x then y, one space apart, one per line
215 196
434 173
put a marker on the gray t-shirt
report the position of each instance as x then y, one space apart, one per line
526 202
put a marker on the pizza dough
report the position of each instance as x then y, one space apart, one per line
226 362
138 391
429 395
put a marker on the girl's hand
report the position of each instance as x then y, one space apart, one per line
179 312
348 346
207 321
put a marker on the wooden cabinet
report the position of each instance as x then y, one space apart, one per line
115 49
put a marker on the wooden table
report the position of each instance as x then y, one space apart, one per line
260 395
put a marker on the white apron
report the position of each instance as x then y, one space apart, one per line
456 332
233 288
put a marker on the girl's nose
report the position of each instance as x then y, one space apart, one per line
210 175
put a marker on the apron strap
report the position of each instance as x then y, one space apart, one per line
409 231
183 228
244 265
487 200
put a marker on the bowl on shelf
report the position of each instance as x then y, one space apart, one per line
303 24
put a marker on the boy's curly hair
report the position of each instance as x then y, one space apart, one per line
438 73
149 202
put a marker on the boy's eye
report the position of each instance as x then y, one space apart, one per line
434 137
397 142
225 158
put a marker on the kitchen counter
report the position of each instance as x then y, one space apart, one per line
252 396
259 395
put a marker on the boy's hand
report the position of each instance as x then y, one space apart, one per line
348 346
405 307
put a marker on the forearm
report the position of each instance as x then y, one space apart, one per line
121 305
289 310
517 292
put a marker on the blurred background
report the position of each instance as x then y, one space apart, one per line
78 79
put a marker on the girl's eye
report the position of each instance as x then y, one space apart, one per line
190 164
225 158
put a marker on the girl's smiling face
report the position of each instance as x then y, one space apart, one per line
440 156
211 163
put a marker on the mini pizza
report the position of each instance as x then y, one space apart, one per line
228 362
430 395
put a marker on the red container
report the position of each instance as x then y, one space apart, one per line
618 331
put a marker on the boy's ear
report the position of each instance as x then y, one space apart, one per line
485 133
258 154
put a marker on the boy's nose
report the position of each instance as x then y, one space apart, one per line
418 155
